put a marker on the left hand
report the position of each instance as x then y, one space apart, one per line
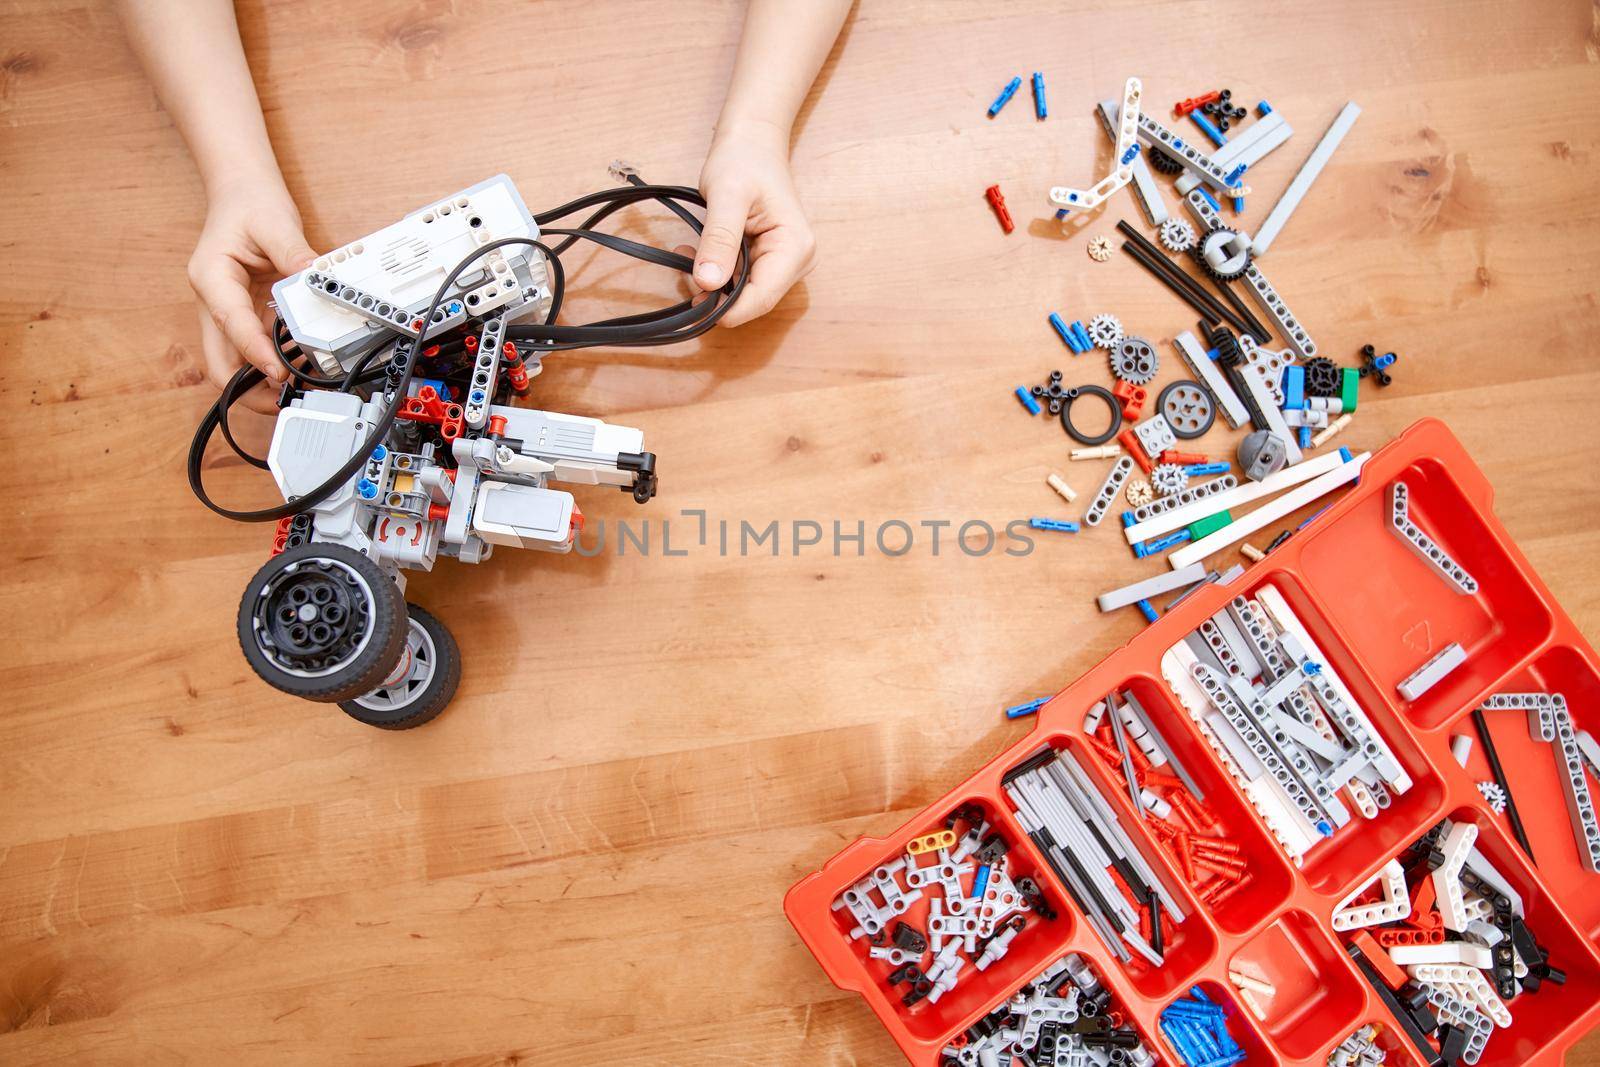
749 190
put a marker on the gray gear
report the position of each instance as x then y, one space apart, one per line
1169 478
1177 235
1105 331
1134 361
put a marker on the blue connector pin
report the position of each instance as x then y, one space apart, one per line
1059 525
1039 107
1005 96
1198 469
1027 400
1149 611
1208 129
1061 328
1022 711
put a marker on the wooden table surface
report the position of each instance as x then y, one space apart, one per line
584 859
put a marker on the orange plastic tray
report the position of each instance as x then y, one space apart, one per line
1378 613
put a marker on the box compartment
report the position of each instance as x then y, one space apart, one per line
1189 945
1397 612
1532 768
1037 943
1318 1000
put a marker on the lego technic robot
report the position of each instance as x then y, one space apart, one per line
394 445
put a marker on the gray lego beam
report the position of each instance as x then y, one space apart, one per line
1248 147
1433 672
1161 583
1194 161
1298 188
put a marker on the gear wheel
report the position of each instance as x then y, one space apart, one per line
1188 409
1162 163
1224 254
1100 249
1134 361
1105 331
1139 493
1322 377
1169 478
1178 236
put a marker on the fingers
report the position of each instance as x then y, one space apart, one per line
779 258
222 360
223 287
726 213
288 250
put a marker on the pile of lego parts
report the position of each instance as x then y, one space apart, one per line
1439 934
1063 1018
1360 1049
975 909
1280 719
1291 399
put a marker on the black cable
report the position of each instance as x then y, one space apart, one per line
682 321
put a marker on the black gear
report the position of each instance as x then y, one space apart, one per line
1323 377
1162 163
1229 354
1199 254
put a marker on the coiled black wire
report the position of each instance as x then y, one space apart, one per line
679 322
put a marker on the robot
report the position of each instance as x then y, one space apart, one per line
395 444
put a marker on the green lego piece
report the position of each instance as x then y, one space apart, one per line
1352 378
1210 524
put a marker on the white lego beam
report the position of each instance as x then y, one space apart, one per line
1270 512
1232 498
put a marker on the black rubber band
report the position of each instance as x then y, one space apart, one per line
1111 402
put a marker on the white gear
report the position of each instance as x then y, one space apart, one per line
1100 249
1169 478
1105 331
1139 493
1177 235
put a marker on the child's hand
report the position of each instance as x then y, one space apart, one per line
749 190
252 237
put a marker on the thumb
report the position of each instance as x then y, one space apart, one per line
719 241
287 248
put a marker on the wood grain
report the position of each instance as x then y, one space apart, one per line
587 853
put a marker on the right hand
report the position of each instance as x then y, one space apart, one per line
252 237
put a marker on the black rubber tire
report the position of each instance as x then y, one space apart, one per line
386 626
433 697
